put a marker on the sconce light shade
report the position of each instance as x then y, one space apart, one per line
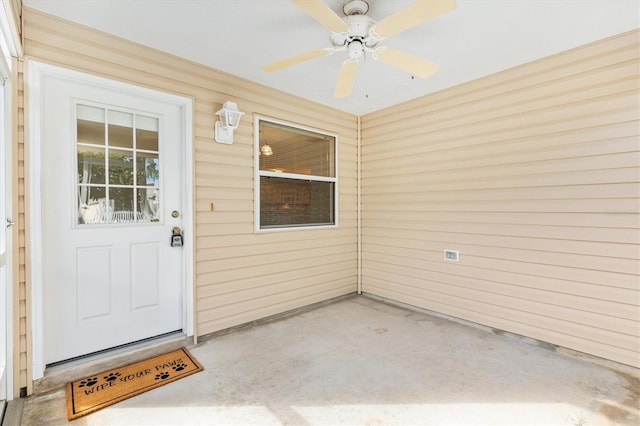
229 119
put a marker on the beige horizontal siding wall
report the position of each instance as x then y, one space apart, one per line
240 276
22 330
533 174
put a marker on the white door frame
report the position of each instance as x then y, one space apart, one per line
10 47
36 72
6 182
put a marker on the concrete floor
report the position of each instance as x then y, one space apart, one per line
359 361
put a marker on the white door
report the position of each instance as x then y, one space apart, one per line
111 196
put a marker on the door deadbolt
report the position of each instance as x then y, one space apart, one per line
175 214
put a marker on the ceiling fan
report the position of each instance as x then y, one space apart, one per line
358 34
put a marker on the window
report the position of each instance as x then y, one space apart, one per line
296 177
117 166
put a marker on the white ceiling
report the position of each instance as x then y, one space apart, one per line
479 38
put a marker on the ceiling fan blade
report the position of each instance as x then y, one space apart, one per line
412 15
323 14
346 78
405 61
303 57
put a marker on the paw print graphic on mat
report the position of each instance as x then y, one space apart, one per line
162 376
88 382
179 367
111 377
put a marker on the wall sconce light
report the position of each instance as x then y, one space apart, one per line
229 119
266 150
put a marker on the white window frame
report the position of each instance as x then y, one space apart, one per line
258 174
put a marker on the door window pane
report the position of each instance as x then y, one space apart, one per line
146 133
90 125
126 146
90 165
92 204
123 203
148 204
120 129
120 167
147 169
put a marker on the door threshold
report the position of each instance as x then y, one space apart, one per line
58 374
110 351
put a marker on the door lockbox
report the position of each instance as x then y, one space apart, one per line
176 237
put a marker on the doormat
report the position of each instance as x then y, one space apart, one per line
100 390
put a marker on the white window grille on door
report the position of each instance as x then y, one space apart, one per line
118 166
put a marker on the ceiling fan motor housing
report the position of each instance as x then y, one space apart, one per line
359 27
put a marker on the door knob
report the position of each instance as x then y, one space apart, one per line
10 223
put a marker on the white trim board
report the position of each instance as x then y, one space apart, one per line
8 256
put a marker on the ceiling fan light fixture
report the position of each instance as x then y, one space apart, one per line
356 50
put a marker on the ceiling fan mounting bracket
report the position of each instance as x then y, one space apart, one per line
355 7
